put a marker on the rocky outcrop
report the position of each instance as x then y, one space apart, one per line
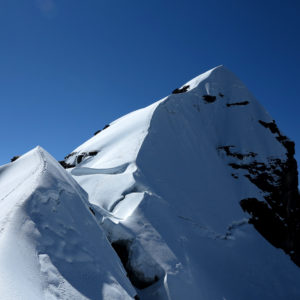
74 158
278 217
237 103
181 90
239 156
14 158
209 98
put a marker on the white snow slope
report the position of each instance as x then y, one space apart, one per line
161 184
51 246
163 193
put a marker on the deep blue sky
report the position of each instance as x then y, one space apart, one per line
69 67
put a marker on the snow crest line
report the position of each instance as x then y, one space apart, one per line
90 171
36 173
41 168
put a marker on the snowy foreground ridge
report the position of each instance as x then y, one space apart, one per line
193 197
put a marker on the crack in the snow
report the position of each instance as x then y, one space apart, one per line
215 235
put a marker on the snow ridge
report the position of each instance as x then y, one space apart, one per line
166 202
180 170
51 226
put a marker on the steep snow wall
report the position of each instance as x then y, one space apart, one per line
187 160
176 187
51 246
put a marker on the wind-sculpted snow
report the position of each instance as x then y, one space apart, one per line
51 246
174 215
89 171
197 195
194 177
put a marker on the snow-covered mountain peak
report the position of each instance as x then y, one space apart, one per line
196 80
179 183
218 85
217 82
197 194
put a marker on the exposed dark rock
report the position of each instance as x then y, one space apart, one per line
209 98
290 147
237 103
182 90
122 248
66 165
284 140
221 95
97 131
271 125
278 218
266 222
14 158
62 163
253 167
92 153
285 194
80 157
92 211
69 155
239 156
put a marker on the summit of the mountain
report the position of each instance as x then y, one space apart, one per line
197 194
196 189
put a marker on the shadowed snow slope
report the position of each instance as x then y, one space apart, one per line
179 169
51 246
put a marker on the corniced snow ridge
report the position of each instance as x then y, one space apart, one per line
193 197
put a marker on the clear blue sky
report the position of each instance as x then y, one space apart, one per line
69 67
